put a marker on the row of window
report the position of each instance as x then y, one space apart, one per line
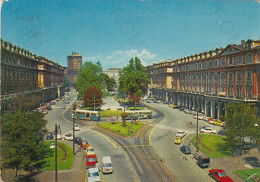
216 63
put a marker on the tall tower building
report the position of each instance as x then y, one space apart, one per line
74 64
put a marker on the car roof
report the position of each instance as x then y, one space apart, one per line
92 156
92 170
106 159
90 147
219 170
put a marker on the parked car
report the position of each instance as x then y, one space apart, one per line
181 109
106 165
185 149
148 101
49 136
203 161
186 111
208 129
180 134
76 128
77 140
159 101
45 111
84 144
48 107
93 175
165 102
68 137
89 151
177 140
210 119
218 122
91 161
63 107
219 175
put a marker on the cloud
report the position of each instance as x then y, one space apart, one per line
120 58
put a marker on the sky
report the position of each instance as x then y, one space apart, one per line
114 31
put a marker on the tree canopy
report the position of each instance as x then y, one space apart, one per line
133 79
92 97
109 82
89 75
240 122
22 140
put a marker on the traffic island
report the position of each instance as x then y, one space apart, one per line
213 146
65 157
128 130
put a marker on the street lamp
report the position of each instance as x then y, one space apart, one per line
74 109
197 132
56 157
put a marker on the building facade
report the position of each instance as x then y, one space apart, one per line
50 79
21 75
114 73
206 81
74 65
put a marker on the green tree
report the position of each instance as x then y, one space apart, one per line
109 82
89 75
240 121
92 96
66 81
134 79
22 140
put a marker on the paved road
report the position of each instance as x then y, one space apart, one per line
123 171
163 143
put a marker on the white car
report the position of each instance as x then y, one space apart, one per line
180 134
93 175
76 128
68 137
208 129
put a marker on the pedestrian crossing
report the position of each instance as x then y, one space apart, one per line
170 128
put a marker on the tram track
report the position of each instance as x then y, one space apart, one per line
147 164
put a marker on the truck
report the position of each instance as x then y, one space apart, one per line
208 129
203 160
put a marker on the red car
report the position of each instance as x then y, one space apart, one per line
210 119
91 161
219 175
84 144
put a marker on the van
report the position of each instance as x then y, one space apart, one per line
106 164
203 161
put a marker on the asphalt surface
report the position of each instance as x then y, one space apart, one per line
162 139
122 169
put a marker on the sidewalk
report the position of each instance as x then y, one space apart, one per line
228 164
76 174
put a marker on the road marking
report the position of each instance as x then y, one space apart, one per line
108 139
65 111
125 146
150 134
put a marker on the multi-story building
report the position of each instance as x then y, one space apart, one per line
50 79
208 80
114 73
74 65
21 74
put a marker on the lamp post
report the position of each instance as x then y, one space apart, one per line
74 109
197 132
56 157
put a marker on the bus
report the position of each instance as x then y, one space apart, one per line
86 115
139 114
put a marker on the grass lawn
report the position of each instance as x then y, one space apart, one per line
137 108
123 130
50 157
110 113
248 172
213 145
